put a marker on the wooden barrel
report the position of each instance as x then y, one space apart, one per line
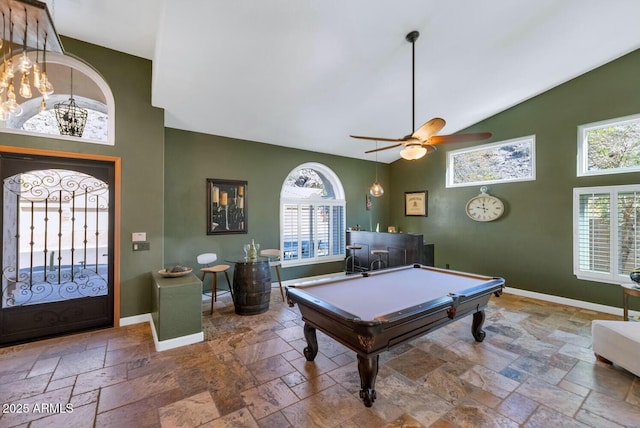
252 287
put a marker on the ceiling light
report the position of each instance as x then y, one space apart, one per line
376 189
413 152
71 118
34 26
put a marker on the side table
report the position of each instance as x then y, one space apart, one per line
251 285
628 290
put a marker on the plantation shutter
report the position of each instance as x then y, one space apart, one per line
594 232
337 231
323 221
290 232
628 233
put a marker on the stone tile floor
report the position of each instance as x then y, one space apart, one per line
534 369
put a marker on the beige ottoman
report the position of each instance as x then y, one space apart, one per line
617 342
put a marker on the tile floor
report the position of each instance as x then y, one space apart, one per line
534 369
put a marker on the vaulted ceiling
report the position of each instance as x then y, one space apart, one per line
306 74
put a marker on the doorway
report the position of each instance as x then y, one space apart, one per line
57 240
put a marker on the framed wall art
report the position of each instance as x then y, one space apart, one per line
415 203
226 206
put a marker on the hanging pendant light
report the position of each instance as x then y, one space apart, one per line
36 66
25 63
11 106
376 189
4 78
4 81
45 88
71 118
37 22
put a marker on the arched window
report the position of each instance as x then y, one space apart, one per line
90 92
312 216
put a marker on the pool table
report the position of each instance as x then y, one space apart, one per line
377 310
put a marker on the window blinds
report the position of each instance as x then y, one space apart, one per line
594 232
628 235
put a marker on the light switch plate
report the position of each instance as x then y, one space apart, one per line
141 246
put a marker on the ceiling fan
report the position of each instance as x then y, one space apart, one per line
422 141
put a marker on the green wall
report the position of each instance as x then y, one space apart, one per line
139 143
164 173
193 157
531 246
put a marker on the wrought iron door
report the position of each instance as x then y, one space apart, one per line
57 236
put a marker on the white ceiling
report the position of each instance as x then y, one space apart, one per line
306 74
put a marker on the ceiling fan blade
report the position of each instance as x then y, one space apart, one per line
362 137
429 129
384 148
458 138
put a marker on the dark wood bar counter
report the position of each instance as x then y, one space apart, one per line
404 248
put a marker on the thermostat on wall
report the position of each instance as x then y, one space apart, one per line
138 236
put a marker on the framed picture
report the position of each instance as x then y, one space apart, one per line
226 206
415 203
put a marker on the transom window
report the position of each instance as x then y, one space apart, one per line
90 91
500 162
312 216
606 232
609 147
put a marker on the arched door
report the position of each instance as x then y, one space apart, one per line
57 236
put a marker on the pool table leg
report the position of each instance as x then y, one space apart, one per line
368 369
311 350
476 326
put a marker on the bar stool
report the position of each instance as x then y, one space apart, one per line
352 258
206 260
274 262
378 263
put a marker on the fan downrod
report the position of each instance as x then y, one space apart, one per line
412 36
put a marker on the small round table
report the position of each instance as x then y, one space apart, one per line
251 284
628 290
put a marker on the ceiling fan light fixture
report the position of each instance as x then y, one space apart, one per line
414 142
413 152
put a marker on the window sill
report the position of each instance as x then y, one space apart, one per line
305 262
603 279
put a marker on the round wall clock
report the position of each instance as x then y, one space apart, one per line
484 207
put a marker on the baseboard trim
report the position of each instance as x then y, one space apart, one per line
135 319
569 302
163 345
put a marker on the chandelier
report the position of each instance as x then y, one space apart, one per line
28 25
71 118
